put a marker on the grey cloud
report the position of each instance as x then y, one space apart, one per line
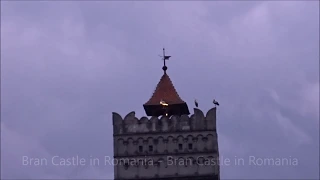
67 65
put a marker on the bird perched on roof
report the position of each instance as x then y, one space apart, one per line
215 102
196 103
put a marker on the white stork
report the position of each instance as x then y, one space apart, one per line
215 103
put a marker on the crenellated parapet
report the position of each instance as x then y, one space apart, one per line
195 122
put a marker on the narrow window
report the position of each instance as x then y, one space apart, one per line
150 148
190 146
140 149
126 166
180 146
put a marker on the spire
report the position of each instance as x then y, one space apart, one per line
165 99
164 68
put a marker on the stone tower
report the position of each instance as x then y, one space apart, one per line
170 145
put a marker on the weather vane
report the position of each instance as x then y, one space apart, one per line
164 58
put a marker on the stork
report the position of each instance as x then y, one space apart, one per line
196 103
215 103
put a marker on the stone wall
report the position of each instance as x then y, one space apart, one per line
179 146
166 166
156 144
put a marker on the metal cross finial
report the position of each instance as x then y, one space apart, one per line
164 60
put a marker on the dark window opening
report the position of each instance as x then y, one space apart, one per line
190 146
155 141
140 149
150 148
126 166
180 146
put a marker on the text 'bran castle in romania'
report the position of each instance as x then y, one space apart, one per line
171 144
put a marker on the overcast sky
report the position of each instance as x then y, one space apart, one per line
66 66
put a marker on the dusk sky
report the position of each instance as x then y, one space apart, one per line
66 66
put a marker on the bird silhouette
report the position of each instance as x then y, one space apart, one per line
215 102
196 103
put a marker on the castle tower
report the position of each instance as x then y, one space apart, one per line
170 145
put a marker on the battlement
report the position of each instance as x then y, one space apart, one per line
195 122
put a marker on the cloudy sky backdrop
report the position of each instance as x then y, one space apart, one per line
66 66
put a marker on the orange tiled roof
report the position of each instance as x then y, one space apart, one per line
165 91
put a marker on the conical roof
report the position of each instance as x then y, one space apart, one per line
165 91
